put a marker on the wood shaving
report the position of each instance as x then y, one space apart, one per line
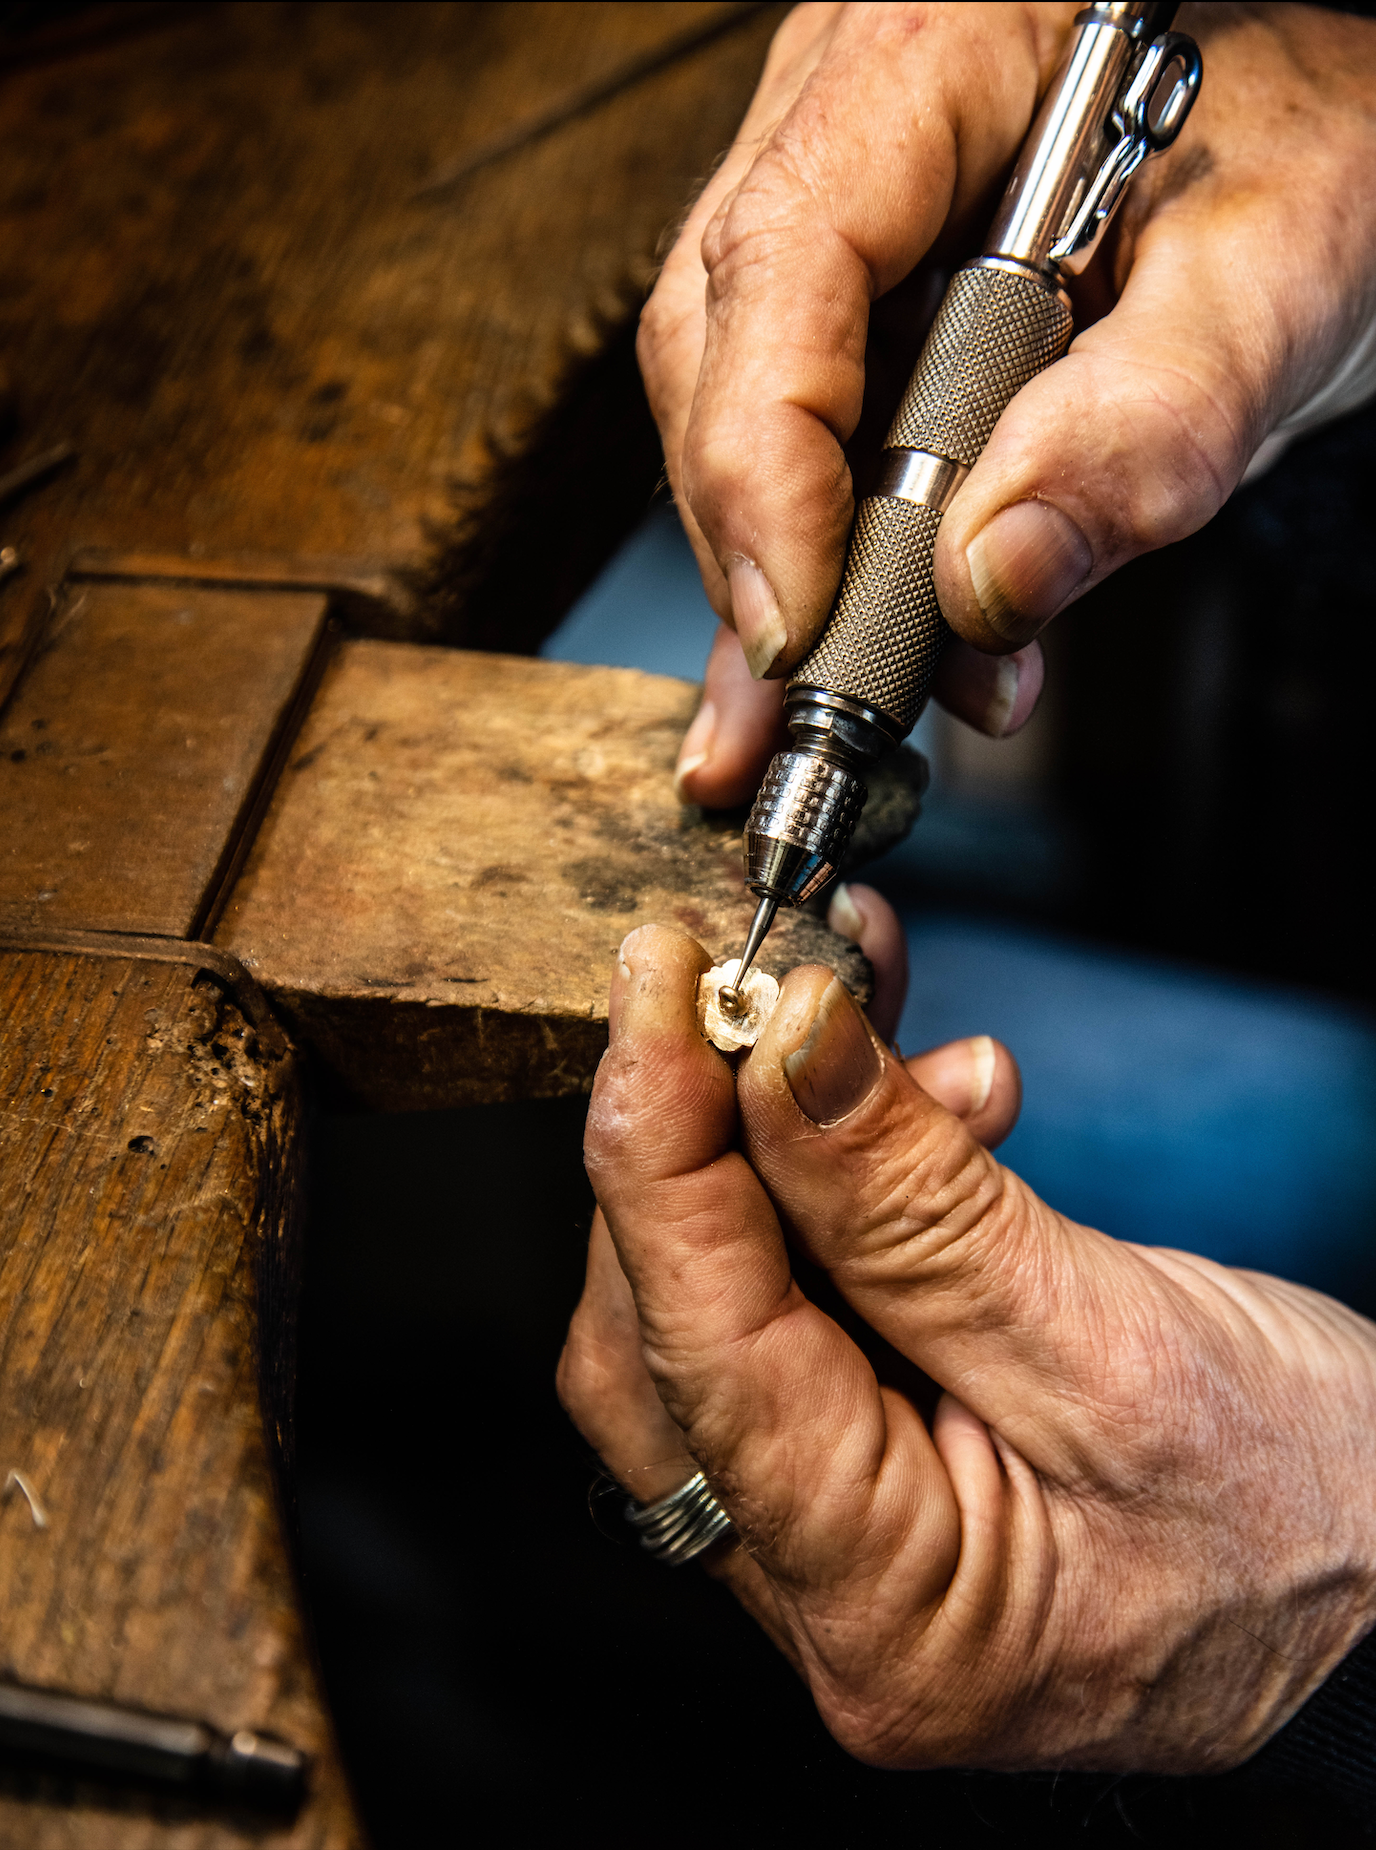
731 1033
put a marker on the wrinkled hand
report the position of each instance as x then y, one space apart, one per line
1141 1527
1233 304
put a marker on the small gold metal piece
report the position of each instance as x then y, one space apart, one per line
734 1024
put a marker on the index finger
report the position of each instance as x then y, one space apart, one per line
672 325
907 120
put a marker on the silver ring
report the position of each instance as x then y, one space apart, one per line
680 1525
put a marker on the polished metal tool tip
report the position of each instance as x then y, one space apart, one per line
732 996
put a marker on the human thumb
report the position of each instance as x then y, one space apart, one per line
943 1251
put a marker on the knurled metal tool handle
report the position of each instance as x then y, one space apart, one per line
998 326
1122 93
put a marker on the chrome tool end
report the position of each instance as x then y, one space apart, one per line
731 998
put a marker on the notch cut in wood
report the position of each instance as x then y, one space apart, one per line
134 750
433 888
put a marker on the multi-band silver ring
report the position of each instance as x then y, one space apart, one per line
680 1525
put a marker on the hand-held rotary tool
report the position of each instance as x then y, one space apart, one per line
1121 94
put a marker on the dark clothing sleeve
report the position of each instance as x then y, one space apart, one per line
1330 1745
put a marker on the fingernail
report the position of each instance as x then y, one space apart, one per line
843 915
838 1065
1015 681
1002 699
759 625
1030 665
982 1058
696 748
1024 565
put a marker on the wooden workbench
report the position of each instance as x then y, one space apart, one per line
256 809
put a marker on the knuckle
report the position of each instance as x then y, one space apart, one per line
932 1197
774 215
571 1379
654 1111
717 470
587 1380
658 322
610 1134
577 1386
873 1726
1120 410
1200 449
747 242
669 341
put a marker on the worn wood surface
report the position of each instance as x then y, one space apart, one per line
148 1150
430 877
221 284
457 846
132 751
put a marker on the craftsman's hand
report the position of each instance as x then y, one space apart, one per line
1141 1528
1236 294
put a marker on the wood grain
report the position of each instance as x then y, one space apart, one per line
457 846
148 1174
131 753
220 285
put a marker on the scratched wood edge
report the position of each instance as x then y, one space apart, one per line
50 1810
48 1802
26 610
276 1358
385 1053
388 1054
243 831
370 597
219 963
364 596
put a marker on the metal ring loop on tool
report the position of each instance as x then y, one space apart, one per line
681 1525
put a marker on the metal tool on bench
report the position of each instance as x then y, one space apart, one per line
245 1769
1122 94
